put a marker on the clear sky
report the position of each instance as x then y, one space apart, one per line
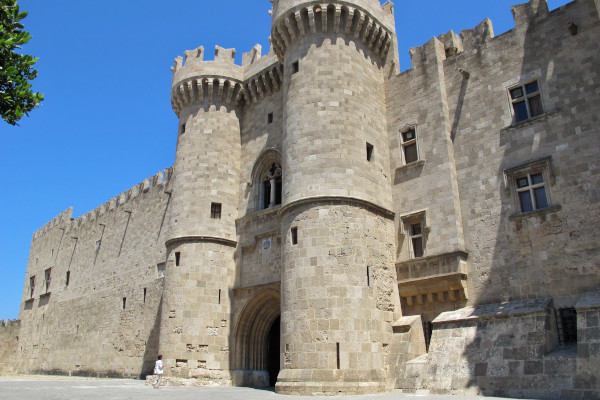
107 123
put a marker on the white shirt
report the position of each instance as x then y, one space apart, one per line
158 367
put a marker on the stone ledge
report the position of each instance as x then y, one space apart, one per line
491 311
588 301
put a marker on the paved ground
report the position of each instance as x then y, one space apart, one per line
64 388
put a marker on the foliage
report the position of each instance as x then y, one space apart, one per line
16 96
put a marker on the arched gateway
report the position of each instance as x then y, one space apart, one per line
257 349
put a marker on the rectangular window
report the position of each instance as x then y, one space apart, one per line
270 118
68 278
409 146
526 101
215 210
369 151
295 67
177 258
124 302
416 239
31 285
160 270
531 190
528 185
567 326
48 278
294 232
182 128
415 234
145 292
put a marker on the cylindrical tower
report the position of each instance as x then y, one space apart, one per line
196 307
339 287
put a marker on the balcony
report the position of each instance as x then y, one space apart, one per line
438 278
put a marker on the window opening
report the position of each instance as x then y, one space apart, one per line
337 351
294 232
526 101
219 296
215 210
124 302
369 151
531 190
182 128
416 238
32 285
68 278
270 118
160 270
295 67
567 326
177 258
48 278
368 276
145 291
272 185
409 146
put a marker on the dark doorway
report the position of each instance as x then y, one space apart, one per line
273 351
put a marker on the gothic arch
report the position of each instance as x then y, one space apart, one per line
267 180
253 329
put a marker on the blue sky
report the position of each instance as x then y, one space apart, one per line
107 123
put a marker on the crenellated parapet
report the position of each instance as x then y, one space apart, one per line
161 179
221 80
367 22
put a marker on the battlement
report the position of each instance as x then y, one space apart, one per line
10 323
64 219
368 22
476 38
221 80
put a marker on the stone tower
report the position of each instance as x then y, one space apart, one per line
201 242
339 295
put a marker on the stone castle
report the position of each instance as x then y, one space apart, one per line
332 225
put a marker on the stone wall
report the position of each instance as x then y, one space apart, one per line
9 345
99 312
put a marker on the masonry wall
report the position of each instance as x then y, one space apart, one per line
105 321
9 345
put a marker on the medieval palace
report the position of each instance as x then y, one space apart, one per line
331 225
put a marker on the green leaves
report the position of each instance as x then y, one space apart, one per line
16 96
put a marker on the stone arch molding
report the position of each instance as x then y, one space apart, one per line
253 327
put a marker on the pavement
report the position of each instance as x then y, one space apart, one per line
66 388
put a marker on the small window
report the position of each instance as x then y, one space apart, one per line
145 292
409 146
529 185
215 210
270 118
531 189
369 151
160 270
567 326
124 302
177 258
48 278
415 234
416 239
68 278
294 232
31 286
526 101
182 129
295 67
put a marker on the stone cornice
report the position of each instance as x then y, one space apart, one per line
198 239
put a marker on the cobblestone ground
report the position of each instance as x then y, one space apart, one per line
66 388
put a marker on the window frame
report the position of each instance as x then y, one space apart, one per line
541 166
408 222
48 278
216 210
525 98
408 143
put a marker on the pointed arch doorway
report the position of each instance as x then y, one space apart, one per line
257 354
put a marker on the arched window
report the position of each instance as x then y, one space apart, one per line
270 187
267 180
